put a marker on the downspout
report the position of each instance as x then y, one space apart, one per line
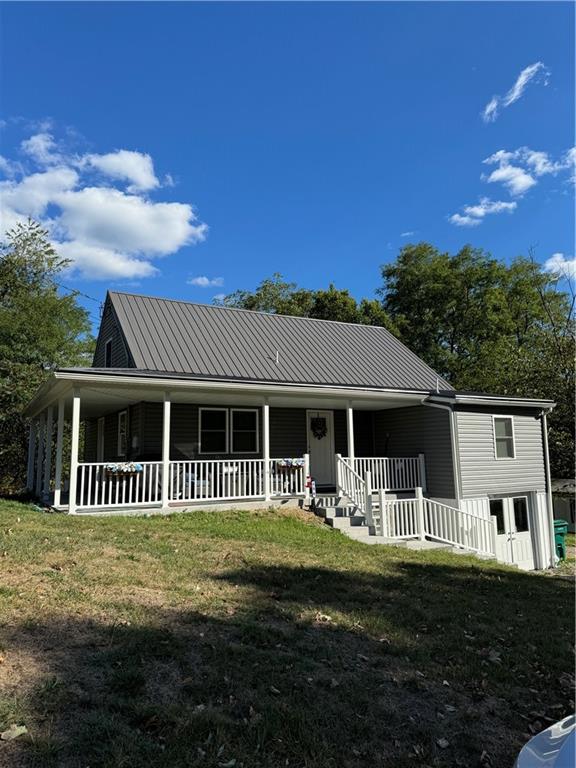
454 445
548 490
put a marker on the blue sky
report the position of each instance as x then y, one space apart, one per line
162 142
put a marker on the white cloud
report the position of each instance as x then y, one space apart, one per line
561 265
464 221
206 282
537 72
518 170
474 214
218 297
105 232
126 165
407 234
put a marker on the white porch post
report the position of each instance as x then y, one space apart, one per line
350 433
166 450
48 450
266 448
40 453
306 476
59 439
420 513
422 470
31 454
74 440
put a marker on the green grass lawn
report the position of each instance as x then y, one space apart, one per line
266 640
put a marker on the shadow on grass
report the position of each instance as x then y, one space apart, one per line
433 665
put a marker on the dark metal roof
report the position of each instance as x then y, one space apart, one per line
222 343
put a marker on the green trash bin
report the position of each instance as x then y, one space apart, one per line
560 531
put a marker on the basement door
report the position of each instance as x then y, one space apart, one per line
514 540
320 430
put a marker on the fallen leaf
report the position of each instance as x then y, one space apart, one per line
13 732
443 743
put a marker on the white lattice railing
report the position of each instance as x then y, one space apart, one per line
391 473
99 486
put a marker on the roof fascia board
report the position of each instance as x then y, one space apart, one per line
249 386
489 400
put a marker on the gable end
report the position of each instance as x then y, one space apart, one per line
111 331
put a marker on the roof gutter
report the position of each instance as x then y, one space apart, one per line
490 400
549 502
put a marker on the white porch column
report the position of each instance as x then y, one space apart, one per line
420 513
74 439
59 439
166 450
350 433
40 453
266 448
48 450
31 454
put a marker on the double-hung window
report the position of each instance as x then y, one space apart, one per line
504 437
213 430
223 430
244 430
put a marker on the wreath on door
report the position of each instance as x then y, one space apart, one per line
319 427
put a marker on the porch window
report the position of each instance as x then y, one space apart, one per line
244 430
213 430
122 432
504 437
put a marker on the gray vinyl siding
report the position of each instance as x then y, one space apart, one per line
419 429
90 439
110 329
481 473
287 432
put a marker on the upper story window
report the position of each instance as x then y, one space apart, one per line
504 437
108 354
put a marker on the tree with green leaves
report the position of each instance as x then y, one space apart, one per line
41 328
491 327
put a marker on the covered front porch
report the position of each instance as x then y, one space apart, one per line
122 442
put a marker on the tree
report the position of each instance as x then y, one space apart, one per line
489 327
277 296
40 329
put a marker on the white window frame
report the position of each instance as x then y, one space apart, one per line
118 445
106 343
231 441
227 431
504 458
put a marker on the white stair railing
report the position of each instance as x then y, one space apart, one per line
421 517
397 474
350 483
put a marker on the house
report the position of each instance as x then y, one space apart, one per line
195 405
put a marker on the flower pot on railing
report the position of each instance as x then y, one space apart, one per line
122 469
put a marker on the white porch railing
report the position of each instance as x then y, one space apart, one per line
97 486
188 481
393 474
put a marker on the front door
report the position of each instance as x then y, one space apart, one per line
514 539
321 446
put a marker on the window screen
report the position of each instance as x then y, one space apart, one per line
504 438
